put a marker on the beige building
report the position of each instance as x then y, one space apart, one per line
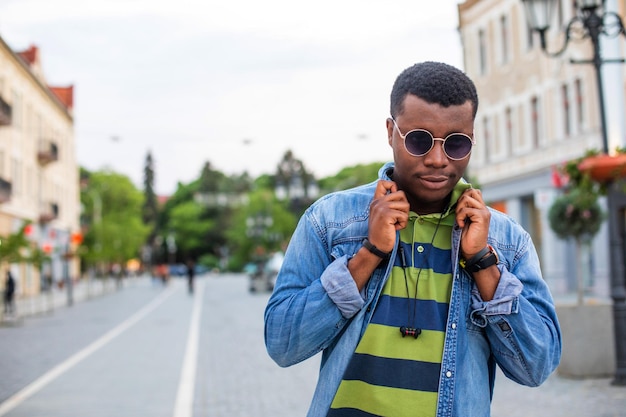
38 168
535 113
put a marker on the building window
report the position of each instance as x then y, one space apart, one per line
496 141
16 178
567 116
508 128
16 110
31 184
504 38
482 52
530 37
560 19
487 138
535 122
580 104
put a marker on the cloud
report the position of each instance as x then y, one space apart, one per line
189 80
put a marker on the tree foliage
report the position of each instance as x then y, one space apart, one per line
198 214
210 219
263 225
149 209
351 177
16 247
191 228
113 216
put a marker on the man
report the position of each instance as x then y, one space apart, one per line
9 292
414 289
191 273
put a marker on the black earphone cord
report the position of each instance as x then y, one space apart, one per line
413 331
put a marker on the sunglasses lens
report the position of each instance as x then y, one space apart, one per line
418 142
457 146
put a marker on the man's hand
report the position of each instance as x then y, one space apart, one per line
389 212
473 216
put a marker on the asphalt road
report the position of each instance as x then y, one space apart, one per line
154 350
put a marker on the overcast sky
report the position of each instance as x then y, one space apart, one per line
236 83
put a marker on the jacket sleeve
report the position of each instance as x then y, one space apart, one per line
314 297
520 322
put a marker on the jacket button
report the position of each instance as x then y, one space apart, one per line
448 374
453 326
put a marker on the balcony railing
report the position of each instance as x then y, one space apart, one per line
5 113
48 212
48 152
5 190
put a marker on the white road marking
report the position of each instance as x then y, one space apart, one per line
186 386
32 388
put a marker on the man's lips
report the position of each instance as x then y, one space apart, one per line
434 181
434 178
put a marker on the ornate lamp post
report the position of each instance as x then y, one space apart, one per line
591 21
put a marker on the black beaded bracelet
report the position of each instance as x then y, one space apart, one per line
370 247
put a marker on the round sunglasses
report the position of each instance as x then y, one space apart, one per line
418 142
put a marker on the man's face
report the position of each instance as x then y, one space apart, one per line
427 180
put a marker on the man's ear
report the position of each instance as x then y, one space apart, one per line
390 131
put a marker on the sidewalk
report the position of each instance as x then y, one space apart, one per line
559 397
48 301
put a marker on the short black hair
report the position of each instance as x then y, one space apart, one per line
436 83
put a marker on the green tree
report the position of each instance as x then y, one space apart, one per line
350 177
16 248
113 213
264 224
199 213
190 228
294 183
150 205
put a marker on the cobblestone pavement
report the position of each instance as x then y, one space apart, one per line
234 375
262 386
559 397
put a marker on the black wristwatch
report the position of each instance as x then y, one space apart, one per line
482 260
373 249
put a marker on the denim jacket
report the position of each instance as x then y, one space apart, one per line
316 307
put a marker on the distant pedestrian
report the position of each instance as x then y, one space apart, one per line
9 291
190 275
162 273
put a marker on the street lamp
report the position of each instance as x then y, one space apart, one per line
170 241
591 21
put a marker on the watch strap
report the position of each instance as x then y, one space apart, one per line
373 249
482 260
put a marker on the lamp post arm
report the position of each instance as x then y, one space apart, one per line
568 37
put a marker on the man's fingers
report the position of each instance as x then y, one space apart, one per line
385 187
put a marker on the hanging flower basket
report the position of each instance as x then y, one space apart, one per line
576 214
604 168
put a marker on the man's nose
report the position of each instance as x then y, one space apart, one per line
437 156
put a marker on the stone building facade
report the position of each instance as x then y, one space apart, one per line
38 168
